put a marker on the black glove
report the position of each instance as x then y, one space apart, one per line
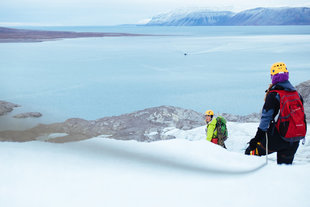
260 135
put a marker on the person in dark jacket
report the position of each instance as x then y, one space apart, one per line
285 150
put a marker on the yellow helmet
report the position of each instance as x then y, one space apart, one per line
278 68
209 113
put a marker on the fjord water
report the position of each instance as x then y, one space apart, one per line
225 69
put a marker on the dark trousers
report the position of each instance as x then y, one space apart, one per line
285 150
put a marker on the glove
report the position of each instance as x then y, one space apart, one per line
260 135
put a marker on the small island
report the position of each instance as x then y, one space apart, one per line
28 115
6 107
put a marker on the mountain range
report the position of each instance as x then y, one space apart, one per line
252 17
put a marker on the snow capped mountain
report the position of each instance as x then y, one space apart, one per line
191 18
257 16
272 16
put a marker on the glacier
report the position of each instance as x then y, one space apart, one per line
178 172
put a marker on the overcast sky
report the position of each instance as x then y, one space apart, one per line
113 12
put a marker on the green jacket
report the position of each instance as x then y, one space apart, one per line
210 129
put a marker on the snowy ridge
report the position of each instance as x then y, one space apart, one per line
194 18
257 16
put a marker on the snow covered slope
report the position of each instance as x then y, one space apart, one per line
191 18
272 16
257 16
178 172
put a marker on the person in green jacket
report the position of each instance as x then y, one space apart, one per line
211 129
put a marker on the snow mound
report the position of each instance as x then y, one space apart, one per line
177 172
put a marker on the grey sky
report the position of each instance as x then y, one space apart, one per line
112 12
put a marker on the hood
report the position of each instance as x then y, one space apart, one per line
285 85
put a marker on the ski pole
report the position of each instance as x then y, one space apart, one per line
266 148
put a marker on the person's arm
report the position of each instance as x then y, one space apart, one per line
270 107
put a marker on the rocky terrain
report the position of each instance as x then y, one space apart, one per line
145 125
27 115
6 107
254 117
304 89
23 35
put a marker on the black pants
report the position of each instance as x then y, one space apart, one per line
285 150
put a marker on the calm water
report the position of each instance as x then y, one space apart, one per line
226 69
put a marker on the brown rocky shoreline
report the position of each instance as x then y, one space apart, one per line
25 35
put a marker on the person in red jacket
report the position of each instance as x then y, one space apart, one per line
285 147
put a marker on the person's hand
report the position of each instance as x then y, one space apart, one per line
253 144
260 135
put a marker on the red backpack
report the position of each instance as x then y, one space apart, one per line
291 121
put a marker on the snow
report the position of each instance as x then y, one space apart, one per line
181 15
51 136
187 171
